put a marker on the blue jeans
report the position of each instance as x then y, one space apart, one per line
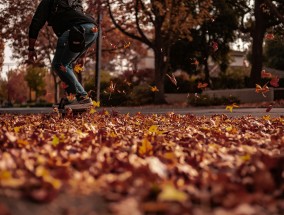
64 57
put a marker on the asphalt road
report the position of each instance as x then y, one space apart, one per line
237 112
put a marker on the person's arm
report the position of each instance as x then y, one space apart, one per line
39 19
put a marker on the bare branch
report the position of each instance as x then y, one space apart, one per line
133 36
138 26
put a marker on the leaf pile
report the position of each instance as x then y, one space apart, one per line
166 164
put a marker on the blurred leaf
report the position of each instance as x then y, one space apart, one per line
78 68
170 193
145 148
55 140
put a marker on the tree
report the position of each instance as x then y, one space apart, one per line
211 39
158 24
1 53
3 90
274 53
35 80
17 88
266 16
16 31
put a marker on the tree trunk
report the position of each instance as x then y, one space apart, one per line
206 70
56 89
257 45
30 94
159 77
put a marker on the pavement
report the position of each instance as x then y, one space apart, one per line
198 111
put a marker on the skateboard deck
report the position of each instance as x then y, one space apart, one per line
68 111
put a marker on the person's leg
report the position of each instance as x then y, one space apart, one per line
90 37
61 65
63 59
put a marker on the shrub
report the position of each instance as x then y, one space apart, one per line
141 95
205 100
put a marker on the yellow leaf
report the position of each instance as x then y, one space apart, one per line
96 104
78 68
41 159
230 107
170 193
22 142
112 134
146 147
229 128
53 181
170 156
17 129
153 129
245 158
41 171
45 174
266 117
93 110
55 141
4 175
154 89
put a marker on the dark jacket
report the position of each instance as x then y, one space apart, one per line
61 24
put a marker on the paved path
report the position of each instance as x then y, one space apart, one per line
257 112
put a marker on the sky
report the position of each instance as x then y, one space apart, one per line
8 62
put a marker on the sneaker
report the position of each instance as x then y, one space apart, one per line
61 104
81 103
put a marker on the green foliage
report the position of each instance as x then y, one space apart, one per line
274 53
35 79
126 92
225 82
90 81
188 85
17 88
141 95
204 100
220 30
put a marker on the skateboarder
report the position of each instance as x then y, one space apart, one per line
76 32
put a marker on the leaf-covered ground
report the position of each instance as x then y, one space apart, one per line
146 164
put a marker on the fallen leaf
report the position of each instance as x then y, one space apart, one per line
170 193
55 140
145 148
96 104
230 107
78 68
